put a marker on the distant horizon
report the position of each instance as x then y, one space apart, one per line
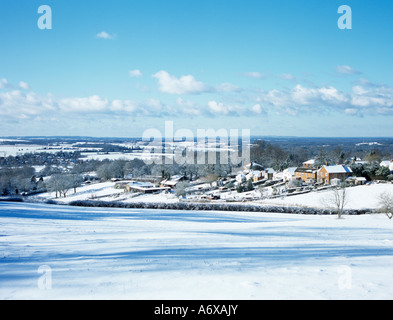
136 137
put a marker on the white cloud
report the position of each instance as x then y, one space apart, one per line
127 106
188 107
254 75
301 96
90 104
287 76
227 87
135 73
24 85
347 70
3 83
257 109
359 100
104 35
219 108
329 96
19 104
374 97
184 85
352 112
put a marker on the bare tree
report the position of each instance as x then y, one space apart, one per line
60 183
386 203
104 172
65 185
53 184
338 199
181 188
75 181
210 178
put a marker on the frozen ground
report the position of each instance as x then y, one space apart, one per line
60 252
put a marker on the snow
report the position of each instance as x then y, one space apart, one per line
97 253
86 192
337 169
106 191
87 156
359 197
14 150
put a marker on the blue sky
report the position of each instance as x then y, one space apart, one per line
117 68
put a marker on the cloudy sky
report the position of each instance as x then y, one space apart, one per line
117 68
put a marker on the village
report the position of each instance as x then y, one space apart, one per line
306 186
253 182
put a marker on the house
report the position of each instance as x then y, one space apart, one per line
128 176
268 173
289 174
254 175
387 164
306 173
309 164
335 182
278 175
172 183
360 180
144 187
253 166
356 160
241 177
327 173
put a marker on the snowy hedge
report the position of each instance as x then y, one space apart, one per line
214 207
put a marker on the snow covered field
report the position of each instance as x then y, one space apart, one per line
61 252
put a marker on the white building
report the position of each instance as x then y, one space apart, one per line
289 174
240 178
387 164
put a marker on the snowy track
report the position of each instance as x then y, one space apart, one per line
102 253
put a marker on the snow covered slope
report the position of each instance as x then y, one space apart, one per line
359 197
61 252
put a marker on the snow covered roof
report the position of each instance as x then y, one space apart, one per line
337 169
253 165
176 178
141 184
387 164
290 170
303 169
311 161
